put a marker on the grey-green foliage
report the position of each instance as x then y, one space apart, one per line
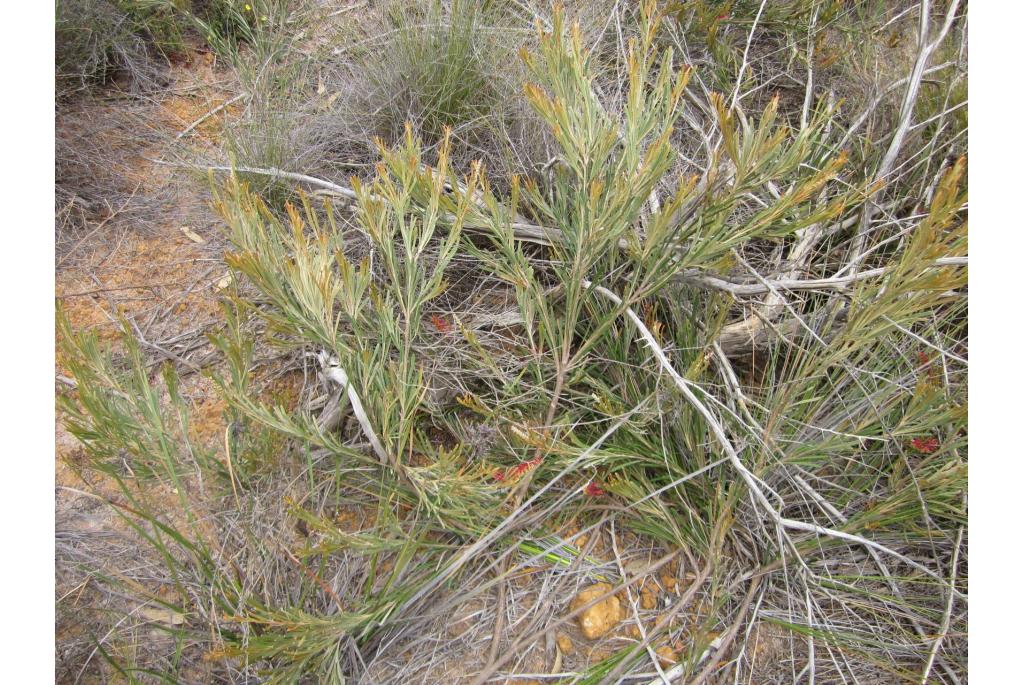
97 39
442 68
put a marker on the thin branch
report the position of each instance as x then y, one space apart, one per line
944 629
906 115
200 120
830 283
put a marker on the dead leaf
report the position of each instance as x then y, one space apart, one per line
192 235
162 615
224 282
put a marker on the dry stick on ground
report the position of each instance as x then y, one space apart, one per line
944 629
157 348
499 614
333 413
774 304
746 53
880 97
200 120
749 478
831 283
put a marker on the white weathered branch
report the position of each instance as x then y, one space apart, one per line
332 370
925 51
831 283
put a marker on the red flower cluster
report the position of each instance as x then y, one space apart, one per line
517 470
593 490
520 469
925 445
440 323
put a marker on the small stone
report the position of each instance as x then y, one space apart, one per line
633 631
667 657
647 599
599 619
564 643
668 581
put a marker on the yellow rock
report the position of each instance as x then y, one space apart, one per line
564 643
599 619
647 600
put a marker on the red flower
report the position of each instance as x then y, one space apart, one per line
440 323
517 470
593 490
723 16
520 469
925 445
